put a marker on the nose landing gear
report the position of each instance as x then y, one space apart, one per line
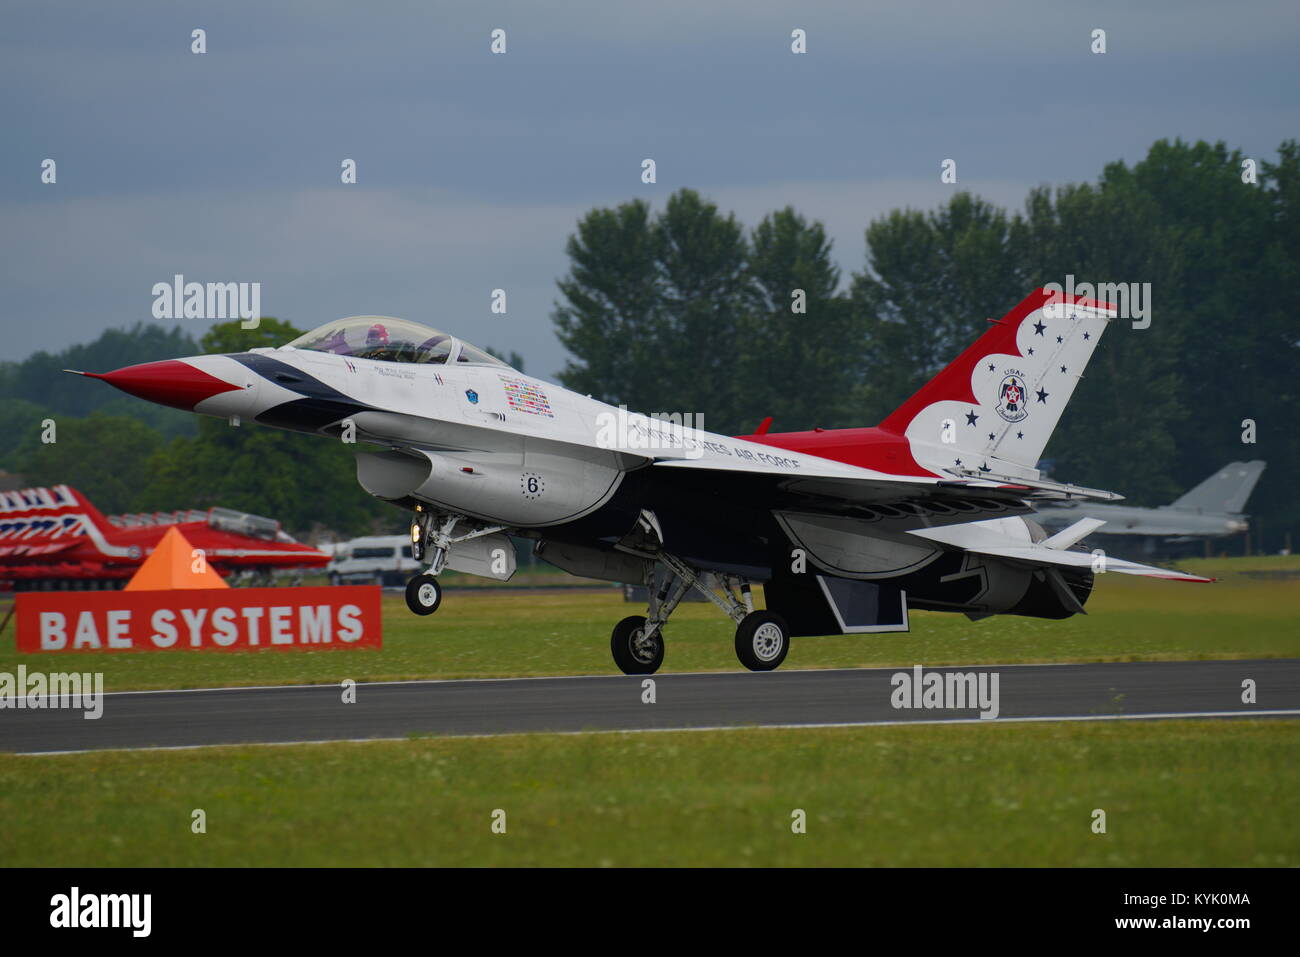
431 540
423 594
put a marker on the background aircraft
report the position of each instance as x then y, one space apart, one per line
54 538
847 529
1210 510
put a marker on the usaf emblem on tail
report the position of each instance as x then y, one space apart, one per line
1011 397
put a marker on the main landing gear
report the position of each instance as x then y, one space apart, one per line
432 535
637 650
762 637
762 641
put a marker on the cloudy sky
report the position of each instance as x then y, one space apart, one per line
473 168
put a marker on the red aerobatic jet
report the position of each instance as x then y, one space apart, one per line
53 538
847 529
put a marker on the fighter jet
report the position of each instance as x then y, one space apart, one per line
53 538
1212 509
847 530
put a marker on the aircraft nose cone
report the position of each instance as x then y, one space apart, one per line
169 382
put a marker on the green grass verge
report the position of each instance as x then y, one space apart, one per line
503 633
1176 793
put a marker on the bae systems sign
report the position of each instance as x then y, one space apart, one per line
235 619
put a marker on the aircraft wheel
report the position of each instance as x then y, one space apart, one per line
423 594
762 641
633 654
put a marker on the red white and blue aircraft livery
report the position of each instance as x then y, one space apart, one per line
55 539
846 529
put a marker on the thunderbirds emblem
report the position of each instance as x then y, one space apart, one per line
1011 397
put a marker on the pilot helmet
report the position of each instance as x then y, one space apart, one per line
377 335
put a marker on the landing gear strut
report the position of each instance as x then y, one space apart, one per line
762 637
431 538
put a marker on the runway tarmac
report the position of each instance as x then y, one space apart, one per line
149 719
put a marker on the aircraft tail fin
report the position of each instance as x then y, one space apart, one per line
1226 491
28 515
1000 400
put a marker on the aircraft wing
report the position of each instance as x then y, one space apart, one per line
833 488
838 478
827 474
947 511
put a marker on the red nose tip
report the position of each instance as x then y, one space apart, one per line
170 382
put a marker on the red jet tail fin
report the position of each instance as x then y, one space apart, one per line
89 510
1002 397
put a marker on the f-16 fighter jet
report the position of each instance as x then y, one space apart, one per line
846 529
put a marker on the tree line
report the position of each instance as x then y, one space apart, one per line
684 310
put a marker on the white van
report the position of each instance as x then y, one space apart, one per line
381 559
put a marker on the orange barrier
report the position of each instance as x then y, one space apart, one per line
175 564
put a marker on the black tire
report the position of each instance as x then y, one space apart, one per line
762 641
635 657
423 594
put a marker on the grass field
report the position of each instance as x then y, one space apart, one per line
1175 793
496 632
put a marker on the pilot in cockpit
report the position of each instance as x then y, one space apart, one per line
378 345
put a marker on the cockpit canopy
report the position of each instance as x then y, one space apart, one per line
391 340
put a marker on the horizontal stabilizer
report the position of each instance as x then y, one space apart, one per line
991 538
1076 532
1038 555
